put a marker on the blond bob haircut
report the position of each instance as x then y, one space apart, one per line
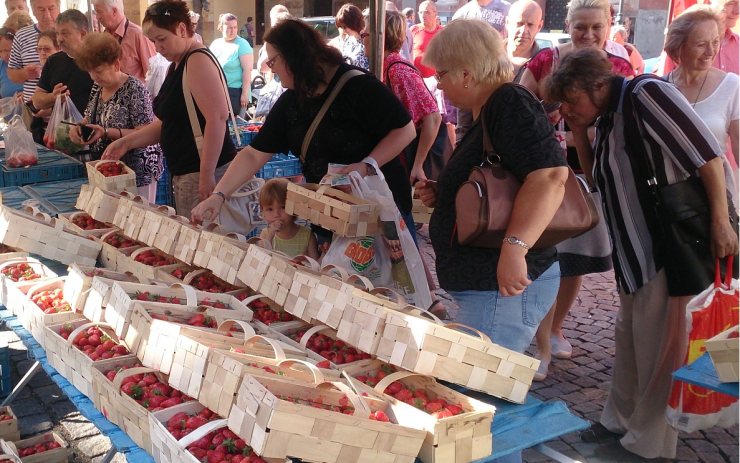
576 5
681 27
484 58
395 30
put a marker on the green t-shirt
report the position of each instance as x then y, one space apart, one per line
228 54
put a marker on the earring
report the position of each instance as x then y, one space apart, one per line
465 86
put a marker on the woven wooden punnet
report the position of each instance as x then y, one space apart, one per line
254 266
422 214
153 219
261 327
80 279
456 439
100 204
131 265
12 293
35 320
67 220
9 428
279 276
105 395
116 184
221 253
71 362
225 370
424 346
40 234
304 342
723 349
335 210
363 318
330 298
178 238
109 254
277 428
57 455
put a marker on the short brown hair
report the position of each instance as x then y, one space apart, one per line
51 35
395 30
17 20
97 48
581 70
681 27
167 14
275 189
350 17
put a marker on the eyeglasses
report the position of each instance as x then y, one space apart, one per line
158 9
44 49
271 62
439 75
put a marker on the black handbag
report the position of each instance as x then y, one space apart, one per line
681 229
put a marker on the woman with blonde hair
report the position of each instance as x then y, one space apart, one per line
17 20
235 56
692 42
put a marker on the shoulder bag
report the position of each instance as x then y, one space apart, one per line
681 221
237 211
484 202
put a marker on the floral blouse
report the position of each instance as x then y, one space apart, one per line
407 84
352 50
129 107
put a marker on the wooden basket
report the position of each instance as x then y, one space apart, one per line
279 428
116 184
330 298
105 394
264 327
180 236
363 317
9 428
57 455
254 267
279 276
153 219
71 362
221 253
79 281
109 254
67 220
416 343
225 370
304 341
100 204
422 214
131 265
335 210
724 353
12 293
35 320
42 235
460 439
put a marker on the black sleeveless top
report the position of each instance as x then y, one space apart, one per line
177 140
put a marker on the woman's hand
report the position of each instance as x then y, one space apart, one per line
361 168
511 272
207 209
427 192
98 133
116 150
724 240
417 174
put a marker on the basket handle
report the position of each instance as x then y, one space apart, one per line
393 377
167 210
362 409
279 353
421 313
201 432
254 297
123 374
306 261
390 295
466 328
19 260
335 271
82 328
44 285
191 276
310 332
360 282
318 376
225 327
237 236
191 298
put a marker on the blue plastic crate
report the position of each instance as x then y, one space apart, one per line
245 135
52 166
14 196
164 188
6 383
57 197
281 165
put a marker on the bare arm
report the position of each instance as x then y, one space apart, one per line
734 142
534 207
429 128
723 239
530 82
138 138
582 143
247 61
44 100
18 75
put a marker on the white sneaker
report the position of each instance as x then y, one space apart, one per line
541 373
561 347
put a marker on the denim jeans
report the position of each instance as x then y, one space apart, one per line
511 321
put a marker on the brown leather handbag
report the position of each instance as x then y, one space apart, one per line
483 205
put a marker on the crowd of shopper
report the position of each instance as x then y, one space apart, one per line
440 84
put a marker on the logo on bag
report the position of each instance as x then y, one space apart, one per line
361 254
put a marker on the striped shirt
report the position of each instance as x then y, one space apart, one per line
678 143
22 53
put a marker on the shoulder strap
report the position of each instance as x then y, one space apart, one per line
386 75
325 107
190 104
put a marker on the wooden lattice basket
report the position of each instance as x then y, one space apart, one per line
35 319
12 293
116 184
153 219
100 204
9 428
723 349
131 265
335 210
57 455
114 246
221 253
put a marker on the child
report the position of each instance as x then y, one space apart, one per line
282 232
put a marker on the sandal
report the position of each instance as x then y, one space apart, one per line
438 309
597 433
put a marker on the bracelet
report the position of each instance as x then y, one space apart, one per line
221 194
516 241
120 133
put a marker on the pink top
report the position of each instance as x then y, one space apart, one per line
136 49
728 56
421 39
541 65
407 84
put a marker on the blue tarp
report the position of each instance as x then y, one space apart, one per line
702 373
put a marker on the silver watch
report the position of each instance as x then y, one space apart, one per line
516 241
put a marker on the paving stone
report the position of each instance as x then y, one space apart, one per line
730 451
586 407
719 436
30 425
585 381
93 446
27 407
40 380
702 446
62 409
77 426
566 388
49 394
711 457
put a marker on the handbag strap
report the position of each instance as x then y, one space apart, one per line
190 103
325 107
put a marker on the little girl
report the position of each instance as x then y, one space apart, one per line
282 232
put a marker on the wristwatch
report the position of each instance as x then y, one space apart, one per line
516 241
221 194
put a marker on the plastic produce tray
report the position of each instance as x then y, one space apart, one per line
52 166
57 197
281 165
164 188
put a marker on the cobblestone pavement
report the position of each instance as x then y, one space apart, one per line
582 382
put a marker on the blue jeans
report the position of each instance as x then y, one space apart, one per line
511 321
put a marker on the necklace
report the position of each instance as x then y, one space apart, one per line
672 79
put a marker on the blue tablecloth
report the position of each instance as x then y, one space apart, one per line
702 373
